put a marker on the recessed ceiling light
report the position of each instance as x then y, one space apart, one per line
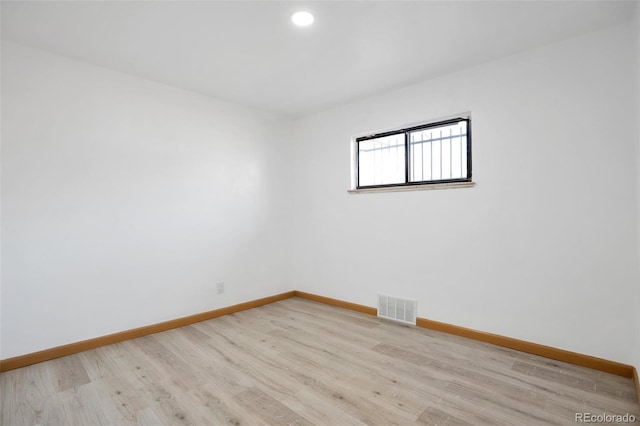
302 19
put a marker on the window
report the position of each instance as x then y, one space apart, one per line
427 154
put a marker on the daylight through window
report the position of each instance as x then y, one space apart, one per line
432 153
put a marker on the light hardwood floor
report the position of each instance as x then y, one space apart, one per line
297 362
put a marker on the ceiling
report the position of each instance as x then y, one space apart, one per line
249 52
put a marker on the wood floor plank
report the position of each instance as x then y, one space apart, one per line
70 372
573 381
269 410
29 394
432 416
83 405
288 378
300 362
348 366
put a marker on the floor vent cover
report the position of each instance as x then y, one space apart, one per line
397 309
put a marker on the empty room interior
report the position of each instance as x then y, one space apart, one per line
324 212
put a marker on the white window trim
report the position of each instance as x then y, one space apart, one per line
425 187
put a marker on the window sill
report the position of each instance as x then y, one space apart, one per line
450 185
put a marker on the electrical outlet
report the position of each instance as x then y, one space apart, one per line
220 288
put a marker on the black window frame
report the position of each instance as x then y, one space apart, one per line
407 155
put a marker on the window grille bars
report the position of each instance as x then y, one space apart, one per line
432 153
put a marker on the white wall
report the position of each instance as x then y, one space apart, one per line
125 202
542 249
